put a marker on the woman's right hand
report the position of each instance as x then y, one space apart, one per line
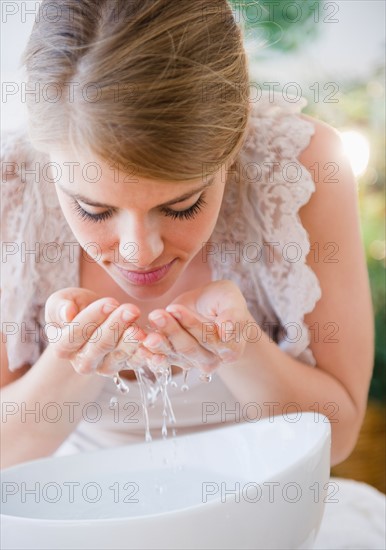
96 334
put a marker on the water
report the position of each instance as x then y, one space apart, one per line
120 384
121 494
140 379
125 494
185 386
153 384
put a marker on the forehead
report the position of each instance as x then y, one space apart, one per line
99 183
70 166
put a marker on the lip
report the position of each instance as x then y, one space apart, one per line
145 277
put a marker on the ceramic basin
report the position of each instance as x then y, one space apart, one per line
246 485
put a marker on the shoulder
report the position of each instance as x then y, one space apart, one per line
277 129
325 144
335 183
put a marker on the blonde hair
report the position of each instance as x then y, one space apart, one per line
160 87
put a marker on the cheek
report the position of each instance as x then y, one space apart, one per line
71 217
211 213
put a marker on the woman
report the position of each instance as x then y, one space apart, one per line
194 207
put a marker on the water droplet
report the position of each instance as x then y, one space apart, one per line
185 386
204 377
152 385
159 489
120 384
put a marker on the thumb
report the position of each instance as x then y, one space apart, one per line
228 324
64 304
67 310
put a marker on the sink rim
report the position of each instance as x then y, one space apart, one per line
315 449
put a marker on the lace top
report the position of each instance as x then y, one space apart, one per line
261 243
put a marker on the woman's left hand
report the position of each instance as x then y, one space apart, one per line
201 328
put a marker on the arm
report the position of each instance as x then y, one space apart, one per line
50 380
59 384
343 370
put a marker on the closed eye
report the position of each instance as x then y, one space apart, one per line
188 214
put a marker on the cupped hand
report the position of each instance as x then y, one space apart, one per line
96 334
201 328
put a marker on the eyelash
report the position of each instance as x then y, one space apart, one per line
188 214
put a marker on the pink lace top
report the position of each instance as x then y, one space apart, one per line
258 221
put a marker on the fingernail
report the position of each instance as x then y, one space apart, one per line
175 313
62 312
127 315
108 308
158 320
152 341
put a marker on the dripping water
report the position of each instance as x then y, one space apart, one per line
153 385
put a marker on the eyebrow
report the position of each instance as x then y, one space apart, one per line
181 198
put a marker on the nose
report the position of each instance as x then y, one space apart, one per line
140 243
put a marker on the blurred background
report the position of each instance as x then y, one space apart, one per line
332 53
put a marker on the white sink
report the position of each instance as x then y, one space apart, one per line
249 485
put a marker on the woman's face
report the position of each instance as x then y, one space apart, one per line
137 225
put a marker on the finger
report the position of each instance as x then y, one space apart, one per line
104 340
182 342
124 356
231 326
112 363
158 343
67 310
206 333
133 335
220 337
75 334
74 297
232 333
